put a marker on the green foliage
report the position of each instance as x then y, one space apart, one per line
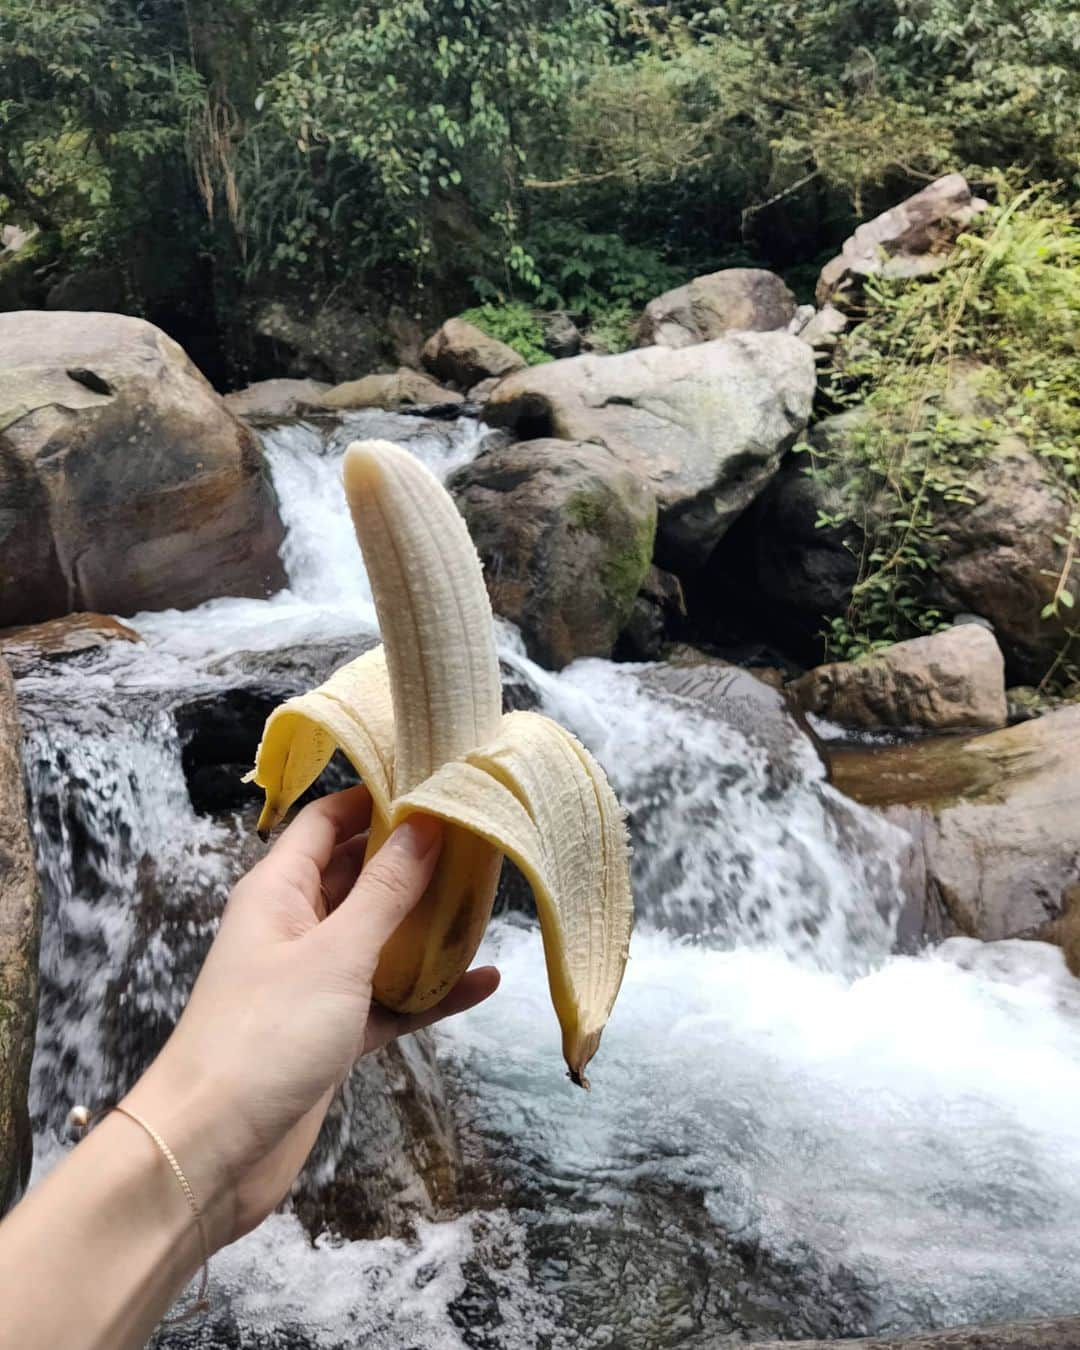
513 323
612 328
585 273
575 154
944 372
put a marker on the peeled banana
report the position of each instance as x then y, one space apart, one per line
420 718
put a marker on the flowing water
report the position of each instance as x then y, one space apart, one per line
791 1131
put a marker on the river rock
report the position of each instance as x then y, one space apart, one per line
397 389
993 822
566 534
738 298
461 353
125 483
754 707
59 639
659 607
704 426
275 398
20 929
388 1151
948 681
1057 1333
911 239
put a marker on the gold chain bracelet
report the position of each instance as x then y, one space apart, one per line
82 1119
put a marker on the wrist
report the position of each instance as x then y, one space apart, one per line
186 1112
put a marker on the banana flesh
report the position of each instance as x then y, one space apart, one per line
420 720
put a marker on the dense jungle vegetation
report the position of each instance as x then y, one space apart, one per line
574 154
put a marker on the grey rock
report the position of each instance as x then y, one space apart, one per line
735 299
704 426
561 336
911 239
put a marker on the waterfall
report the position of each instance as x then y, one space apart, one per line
791 1131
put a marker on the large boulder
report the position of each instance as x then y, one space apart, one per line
738 298
401 388
704 426
463 354
909 240
125 483
566 534
993 820
949 681
20 927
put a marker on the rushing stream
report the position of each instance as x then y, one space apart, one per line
790 1132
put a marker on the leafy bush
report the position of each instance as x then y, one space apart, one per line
1006 306
513 323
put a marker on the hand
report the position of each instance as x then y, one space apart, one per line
282 1008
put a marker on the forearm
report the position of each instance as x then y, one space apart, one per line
95 1255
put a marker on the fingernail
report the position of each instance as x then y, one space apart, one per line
417 836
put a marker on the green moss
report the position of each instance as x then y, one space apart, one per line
584 510
625 570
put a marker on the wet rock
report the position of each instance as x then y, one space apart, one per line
460 353
1058 1333
20 929
659 607
911 239
738 298
388 1152
705 427
566 534
949 681
993 820
400 388
125 483
758 710
275 398
26 647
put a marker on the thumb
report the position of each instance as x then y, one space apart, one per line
390 885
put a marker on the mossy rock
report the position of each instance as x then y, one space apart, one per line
566 533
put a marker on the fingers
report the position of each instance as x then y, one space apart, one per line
470 990
341 873
321 826
387 889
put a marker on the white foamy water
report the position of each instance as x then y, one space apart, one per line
788 1127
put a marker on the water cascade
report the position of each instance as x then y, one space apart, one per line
791 1131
